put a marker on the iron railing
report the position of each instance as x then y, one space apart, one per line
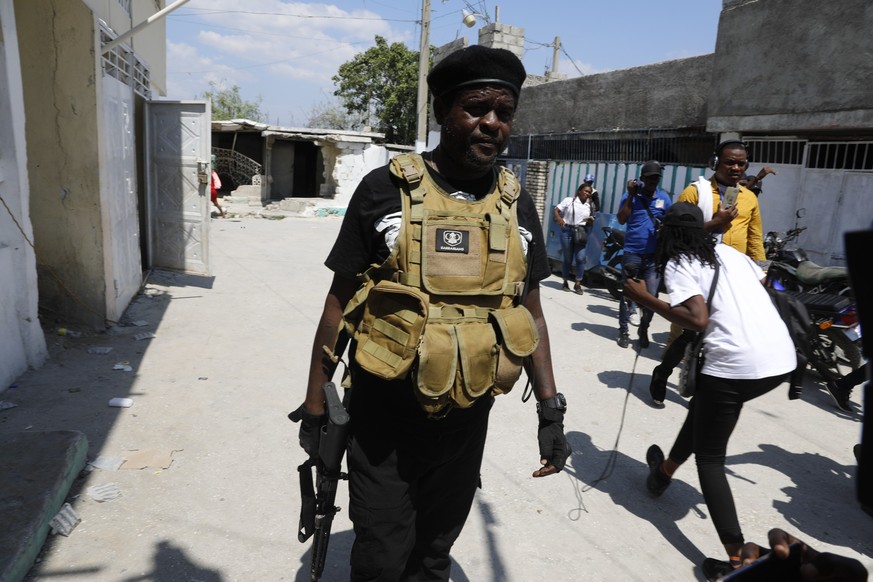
687 146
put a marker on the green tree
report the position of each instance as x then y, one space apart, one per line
228 104
381 86
332 115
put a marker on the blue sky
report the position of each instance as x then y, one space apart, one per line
286 52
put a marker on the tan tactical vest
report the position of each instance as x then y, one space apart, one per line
442 307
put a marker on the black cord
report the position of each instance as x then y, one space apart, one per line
613 454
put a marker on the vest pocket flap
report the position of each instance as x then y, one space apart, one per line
437 360
390 330
518 330
477 346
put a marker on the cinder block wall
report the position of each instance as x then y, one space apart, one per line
792 66
665 95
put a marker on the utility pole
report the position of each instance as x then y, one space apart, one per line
423 64
556 47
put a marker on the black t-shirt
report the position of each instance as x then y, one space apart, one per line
360 244
387 405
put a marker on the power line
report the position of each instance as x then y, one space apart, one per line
257 65
206 25
312 16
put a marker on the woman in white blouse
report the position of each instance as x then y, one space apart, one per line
571 212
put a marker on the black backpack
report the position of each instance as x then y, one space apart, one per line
796 318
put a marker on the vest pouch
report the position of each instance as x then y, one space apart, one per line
437 368
477 347
391 329
517 339
457 259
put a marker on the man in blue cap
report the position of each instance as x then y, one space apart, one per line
594 200
641 208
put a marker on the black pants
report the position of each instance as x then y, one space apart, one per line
411 489
712 415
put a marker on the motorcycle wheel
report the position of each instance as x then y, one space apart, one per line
834 355
613 286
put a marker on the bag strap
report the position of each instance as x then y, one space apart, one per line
714 283
655 220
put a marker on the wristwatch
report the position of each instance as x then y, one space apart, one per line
558 402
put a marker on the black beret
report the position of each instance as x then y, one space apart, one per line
477 65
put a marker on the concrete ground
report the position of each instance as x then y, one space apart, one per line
209 487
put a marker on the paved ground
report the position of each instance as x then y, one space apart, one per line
228 361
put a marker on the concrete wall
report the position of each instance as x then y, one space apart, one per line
792 65
665 95
22 344
57 42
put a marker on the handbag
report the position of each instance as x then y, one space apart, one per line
692 362
580 231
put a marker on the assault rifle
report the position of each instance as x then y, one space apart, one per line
318 510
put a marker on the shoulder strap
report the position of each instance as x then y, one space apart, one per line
410 167
655 221
714 283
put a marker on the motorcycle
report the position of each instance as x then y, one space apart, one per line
602 253
790 269
835 338
610 266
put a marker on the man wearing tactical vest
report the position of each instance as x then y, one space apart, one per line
436 279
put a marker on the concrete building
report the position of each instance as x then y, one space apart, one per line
71 252
783 78
302 169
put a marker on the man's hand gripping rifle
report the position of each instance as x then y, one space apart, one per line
324 438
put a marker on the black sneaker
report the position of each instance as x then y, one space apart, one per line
565 287
577 289
623 340
658 385
715 570
656 482
644 335
840 395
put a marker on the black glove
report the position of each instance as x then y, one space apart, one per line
553 444
310 429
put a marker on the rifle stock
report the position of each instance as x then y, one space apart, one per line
318 509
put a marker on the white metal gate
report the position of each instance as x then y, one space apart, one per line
123 269
831 181
178 145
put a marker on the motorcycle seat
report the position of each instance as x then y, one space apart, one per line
813 274
822 302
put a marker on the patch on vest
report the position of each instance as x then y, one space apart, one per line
452 241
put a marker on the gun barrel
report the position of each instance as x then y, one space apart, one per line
319 545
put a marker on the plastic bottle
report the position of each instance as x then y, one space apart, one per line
69 332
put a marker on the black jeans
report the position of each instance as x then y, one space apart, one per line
712 415
410 491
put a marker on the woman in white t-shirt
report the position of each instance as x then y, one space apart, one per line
571 212
747 350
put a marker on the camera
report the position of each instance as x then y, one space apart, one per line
639 184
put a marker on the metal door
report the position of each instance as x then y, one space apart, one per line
178 146
123 269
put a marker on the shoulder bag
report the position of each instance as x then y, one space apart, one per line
689 369
580 231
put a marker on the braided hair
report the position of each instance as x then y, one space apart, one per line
675 242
